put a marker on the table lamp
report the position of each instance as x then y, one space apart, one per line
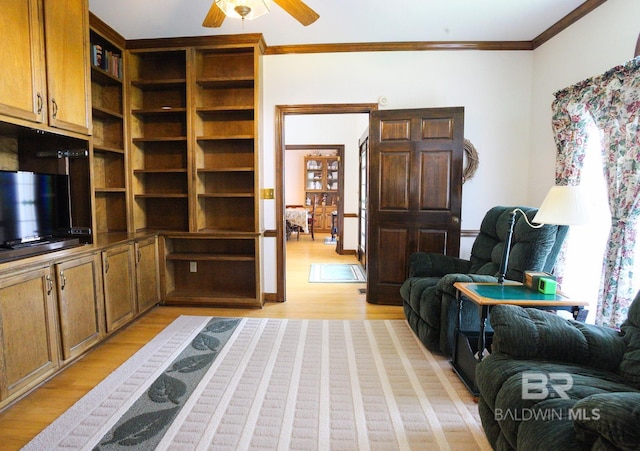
563 205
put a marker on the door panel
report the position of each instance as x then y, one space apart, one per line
435 176
392 244
415 192
394 172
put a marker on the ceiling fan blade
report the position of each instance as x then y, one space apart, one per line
215 17
301 12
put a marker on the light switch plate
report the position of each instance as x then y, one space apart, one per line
268 193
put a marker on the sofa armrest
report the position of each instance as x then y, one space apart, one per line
609 420
429 264
528 333
445 284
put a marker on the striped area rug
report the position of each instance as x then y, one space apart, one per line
274 384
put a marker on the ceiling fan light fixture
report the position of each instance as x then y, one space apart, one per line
244 9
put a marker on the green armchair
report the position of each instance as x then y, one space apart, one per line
429 298
588 396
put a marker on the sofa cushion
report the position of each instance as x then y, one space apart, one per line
532 248
613 421
630 365
551 337
500 379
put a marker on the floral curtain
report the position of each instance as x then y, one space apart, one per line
612 101
615 105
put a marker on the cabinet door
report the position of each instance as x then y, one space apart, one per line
28 345
80 304
119 299
147 274
66 44
22 92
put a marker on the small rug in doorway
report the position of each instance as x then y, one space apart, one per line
267 384
330 241
336 273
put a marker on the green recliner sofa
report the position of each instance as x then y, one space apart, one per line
553 383
429 298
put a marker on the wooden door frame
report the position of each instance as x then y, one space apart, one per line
280 113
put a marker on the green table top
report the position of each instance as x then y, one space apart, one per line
513 292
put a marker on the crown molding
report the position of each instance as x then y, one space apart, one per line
562 24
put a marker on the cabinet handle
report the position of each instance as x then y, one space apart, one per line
106 265
63 281
55 108
40 103
49 284
139 255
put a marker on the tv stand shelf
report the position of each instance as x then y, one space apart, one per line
37 248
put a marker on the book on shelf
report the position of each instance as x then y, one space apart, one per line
107 60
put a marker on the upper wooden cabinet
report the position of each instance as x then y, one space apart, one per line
54 93
66 44
23 87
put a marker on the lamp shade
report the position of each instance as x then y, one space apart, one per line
244 9
564 205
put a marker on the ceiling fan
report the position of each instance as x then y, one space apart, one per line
296 8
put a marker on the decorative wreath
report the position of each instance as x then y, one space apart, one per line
472 161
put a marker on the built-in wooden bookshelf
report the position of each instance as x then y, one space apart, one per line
159 148
205 269
110 166
225 139
193 103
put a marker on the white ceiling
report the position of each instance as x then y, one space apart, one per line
346 21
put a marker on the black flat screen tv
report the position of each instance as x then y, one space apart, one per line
34 207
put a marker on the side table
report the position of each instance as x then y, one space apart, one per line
485 296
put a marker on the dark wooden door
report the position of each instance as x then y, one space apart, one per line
415 192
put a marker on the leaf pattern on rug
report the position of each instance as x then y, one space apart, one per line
175 385
167 389
222 326
205 342
140 428
193 363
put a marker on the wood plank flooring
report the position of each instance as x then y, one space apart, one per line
25 419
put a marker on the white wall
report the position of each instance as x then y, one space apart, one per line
604 38
493 86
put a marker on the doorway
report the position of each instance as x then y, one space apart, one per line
281 137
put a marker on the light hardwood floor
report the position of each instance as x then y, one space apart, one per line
25 419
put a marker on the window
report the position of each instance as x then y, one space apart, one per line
586 244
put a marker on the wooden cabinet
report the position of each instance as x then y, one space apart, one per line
118 272
80 303
47 76
110 163
23 87
28 333
147 273
158 106
211 269
66 34
322 182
